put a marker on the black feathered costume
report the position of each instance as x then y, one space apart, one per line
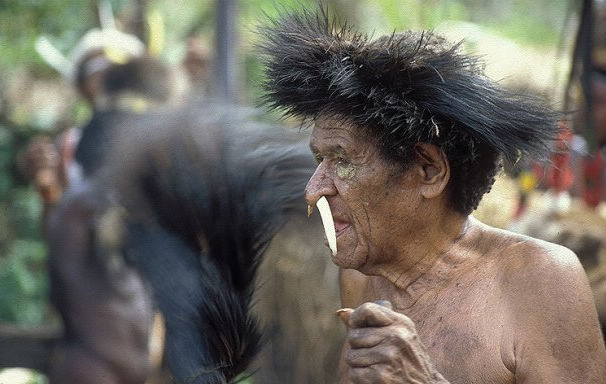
199 193
405 88
215 187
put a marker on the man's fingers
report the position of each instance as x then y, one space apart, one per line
366 357
366 375
364 337
358 359
371 315
377 314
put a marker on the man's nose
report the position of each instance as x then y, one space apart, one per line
320 184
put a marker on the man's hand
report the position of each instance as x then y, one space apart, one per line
385 347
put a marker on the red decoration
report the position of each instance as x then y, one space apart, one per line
593 172
559 175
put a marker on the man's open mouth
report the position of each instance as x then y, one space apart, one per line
340 226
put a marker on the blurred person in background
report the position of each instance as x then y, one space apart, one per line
112 72
197 63
51 164
106 311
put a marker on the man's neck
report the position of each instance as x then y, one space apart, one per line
428 256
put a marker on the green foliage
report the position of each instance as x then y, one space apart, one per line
21 376
24 283
534 23
23 277
23 20
253 13
244 378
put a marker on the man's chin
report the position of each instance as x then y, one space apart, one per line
345 261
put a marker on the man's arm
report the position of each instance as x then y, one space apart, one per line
557 338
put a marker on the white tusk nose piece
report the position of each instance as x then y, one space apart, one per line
329 224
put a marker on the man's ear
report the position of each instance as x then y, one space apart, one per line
434 169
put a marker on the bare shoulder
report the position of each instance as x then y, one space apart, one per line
546 278
526 260
535 275
552 317
533 263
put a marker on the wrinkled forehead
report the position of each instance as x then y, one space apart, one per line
339 127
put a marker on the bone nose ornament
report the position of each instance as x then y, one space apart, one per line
327 222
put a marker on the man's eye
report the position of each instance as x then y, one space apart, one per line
318 158
342 162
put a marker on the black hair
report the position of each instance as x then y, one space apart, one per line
145 76
404 89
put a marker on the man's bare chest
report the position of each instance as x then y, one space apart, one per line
465 344
464 328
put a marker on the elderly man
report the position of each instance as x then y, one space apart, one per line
408 135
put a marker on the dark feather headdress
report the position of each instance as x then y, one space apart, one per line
408 87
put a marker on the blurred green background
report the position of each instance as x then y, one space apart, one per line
35 100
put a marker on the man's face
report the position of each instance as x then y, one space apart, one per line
372 200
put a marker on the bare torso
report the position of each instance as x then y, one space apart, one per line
467 307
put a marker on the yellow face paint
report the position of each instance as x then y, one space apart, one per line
345 170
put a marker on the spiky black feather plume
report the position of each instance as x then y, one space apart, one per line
206 191
408 87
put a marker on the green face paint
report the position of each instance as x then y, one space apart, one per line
345 170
